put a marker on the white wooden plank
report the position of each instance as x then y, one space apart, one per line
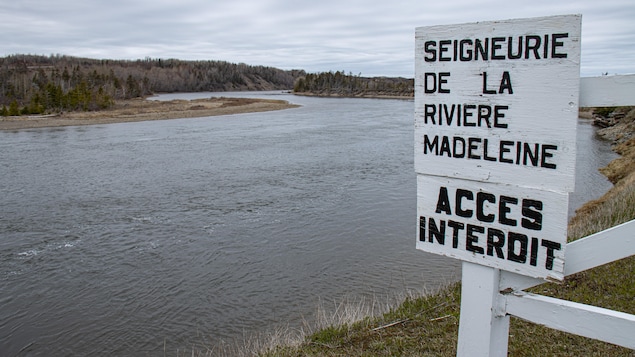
466 72
502 226
583 320
607 91
600 248
483 329
597 249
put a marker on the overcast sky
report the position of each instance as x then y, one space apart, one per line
370 37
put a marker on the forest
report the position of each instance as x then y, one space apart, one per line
34 85
349 85
31 84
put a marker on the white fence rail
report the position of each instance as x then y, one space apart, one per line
597 249
490 296
584 320
607 91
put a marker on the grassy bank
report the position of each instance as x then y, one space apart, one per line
428 326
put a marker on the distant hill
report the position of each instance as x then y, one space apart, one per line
31 84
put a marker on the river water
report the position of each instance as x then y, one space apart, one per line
135 238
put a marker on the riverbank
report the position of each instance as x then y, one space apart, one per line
428 325
373 95
134 110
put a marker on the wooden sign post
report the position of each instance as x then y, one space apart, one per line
496 106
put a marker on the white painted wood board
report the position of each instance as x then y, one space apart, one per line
536 99
505 213
580 319
607 91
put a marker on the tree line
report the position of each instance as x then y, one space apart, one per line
341 84
31 84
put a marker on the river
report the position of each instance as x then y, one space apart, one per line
137 238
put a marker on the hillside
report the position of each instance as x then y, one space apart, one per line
32 84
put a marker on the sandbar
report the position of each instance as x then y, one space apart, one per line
140 109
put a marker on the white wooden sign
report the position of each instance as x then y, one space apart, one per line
496 106
498 101
505 227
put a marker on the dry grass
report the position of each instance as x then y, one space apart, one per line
416 327
344 312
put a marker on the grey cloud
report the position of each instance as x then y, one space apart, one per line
372 37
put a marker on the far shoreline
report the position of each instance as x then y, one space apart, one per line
141 109
361 95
